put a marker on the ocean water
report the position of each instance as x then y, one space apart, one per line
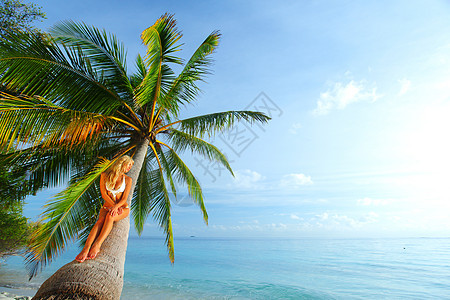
227 268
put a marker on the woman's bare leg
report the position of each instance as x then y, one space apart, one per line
92 236
106 229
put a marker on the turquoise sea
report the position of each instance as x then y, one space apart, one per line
227 268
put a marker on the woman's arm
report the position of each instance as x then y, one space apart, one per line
108 200
123 199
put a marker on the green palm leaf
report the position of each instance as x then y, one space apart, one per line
160 208
168 166
161 41
141 201
52 166
34 64
211 123
182 141
45 168
36 120
184 88
137 78
184 175
104 53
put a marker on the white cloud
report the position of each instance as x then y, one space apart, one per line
295 180
405 85
247 179
343 220
335 221
371 217
269 227
371 202
294 217
340 95
323 216
325 223
295 128
291 216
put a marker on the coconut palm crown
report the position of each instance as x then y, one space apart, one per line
69 109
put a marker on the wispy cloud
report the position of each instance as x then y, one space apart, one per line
326 220
405 85
247 179
280 227
295 128
294 217
295 180
342 94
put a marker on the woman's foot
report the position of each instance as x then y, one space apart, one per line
82 256
93 252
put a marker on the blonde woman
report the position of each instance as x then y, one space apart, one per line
115 186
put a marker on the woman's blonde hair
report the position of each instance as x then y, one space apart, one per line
113 172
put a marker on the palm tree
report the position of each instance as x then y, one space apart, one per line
75 110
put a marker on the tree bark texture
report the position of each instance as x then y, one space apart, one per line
100 278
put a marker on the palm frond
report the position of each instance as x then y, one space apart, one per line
34 64
168 166
161 40
184 175
36 120
211 123
137 78
52 166
181 141
141 201
45 168
184 89
161 209
102 52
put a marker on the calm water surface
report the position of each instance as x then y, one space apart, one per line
208 268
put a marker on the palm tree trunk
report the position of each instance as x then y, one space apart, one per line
102 277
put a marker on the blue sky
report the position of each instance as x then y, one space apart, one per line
359 94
